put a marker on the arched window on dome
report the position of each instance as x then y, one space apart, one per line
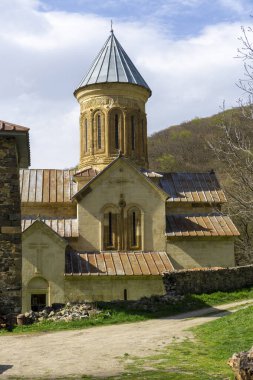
116 130
110 228
99 132
116 133
134 229
133 132
143 135
85 135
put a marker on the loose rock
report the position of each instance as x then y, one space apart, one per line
242 365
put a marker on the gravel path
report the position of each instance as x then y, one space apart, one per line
96 351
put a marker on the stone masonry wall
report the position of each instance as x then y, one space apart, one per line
208 280
10 229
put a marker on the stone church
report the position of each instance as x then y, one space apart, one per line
109 229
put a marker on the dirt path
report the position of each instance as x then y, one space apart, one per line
96 351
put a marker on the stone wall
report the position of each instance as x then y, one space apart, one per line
208 280
10 229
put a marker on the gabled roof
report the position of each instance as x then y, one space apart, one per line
21 135
214 224
67 228
113 65
192 187
117 263
85 188
39 225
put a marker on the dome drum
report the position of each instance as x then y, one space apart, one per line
112 111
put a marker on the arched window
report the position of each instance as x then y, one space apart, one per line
134 229
143 135
99 134
116 130
110 229
86 135
133 132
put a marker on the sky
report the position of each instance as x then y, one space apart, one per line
184 49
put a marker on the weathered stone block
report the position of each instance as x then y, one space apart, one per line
242 365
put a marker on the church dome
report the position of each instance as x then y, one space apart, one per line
113 65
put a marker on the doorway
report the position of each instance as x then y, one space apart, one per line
38 302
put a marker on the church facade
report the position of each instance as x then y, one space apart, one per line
109 229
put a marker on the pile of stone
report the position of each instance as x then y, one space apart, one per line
78 311
6 323
242 365
60 312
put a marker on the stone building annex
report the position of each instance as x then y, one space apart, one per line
111 228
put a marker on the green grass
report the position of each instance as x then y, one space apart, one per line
100 319
204 358
126 312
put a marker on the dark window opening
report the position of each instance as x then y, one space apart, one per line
110 237
38 302
86 134
125 294
134 237
133 132
99 132
116 130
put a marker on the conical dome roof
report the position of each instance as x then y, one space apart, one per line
113 65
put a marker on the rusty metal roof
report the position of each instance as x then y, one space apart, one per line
21 134
7 127
47 185
113 65
67 228
200 225
117 263
192 187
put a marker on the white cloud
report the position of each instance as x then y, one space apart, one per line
45 54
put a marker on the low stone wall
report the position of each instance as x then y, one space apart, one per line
208 280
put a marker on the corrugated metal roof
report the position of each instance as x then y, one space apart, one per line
21 134
113 65
200 225
192 187
67 228
47 185
117 263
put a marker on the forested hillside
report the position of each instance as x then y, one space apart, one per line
186 147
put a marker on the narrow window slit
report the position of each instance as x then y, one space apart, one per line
86 134
116 131
133 132
99 140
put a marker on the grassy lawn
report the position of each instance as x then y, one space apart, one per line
126 312
204 358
